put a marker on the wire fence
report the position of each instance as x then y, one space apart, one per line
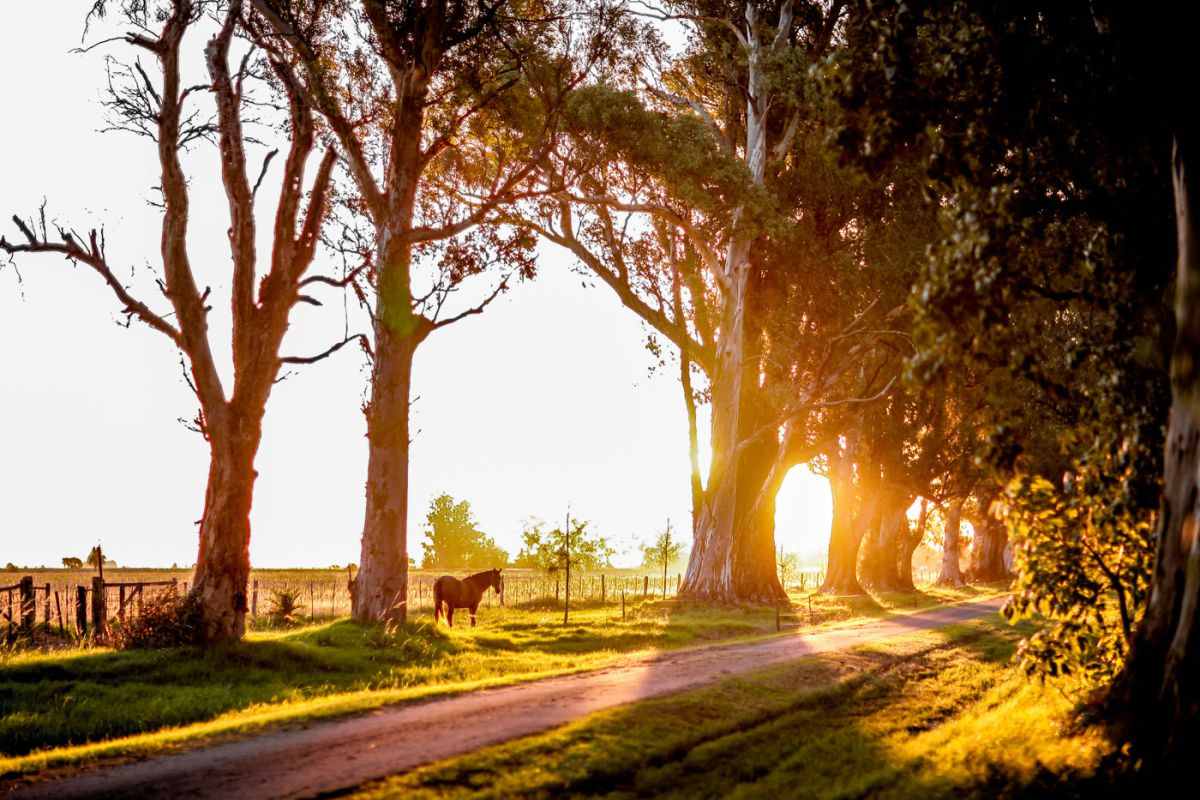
70 606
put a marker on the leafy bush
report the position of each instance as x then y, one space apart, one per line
1083 554
166 620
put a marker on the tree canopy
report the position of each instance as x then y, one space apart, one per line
453 540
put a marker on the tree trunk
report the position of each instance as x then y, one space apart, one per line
987 553
909 547
223 564
845 535
733 551
1158 692
887 540
381 586
951 575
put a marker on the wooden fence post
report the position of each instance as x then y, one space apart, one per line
603 591
46 616
645 586
622 605
254 600
311 611
121 603
28 604
81 614
62 628
99 607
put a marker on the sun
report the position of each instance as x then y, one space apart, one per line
803 513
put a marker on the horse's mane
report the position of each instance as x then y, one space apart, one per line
485 573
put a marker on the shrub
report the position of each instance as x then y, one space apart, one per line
166 620
285 607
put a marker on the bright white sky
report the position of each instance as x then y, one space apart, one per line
543 400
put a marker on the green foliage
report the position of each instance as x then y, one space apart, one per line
676 150
454 541
1043 295
547 550
1083 556
663 551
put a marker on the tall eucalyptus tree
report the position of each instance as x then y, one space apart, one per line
698 188
442 109
173 116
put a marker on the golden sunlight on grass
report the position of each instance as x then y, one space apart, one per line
936 714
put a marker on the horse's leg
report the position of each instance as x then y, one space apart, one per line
450 614
474 608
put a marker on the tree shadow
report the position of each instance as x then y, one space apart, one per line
82 696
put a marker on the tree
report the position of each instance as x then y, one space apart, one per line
951 572
443 111
662 552
169 114
700 192
546 550
788 566
454 541
70 562
95 557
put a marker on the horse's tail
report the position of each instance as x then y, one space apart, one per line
437 601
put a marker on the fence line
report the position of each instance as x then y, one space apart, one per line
73 608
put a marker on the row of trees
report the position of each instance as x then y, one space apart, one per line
1062 162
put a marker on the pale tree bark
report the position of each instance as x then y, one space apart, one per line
951 572
733 554
232 424
1158 693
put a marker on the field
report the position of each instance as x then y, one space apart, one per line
74 705
937 714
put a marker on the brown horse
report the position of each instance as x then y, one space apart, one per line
462 594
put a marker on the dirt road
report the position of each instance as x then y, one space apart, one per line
338 754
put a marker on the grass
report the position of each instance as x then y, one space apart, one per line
936 714
72 706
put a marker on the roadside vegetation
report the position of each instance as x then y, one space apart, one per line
69 706
935 714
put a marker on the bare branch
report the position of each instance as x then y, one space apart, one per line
92 256
359 337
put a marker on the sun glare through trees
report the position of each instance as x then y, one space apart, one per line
599 398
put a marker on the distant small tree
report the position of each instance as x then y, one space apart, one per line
662 552
71 562
10 566
788 566
454 541
545 550
94 556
